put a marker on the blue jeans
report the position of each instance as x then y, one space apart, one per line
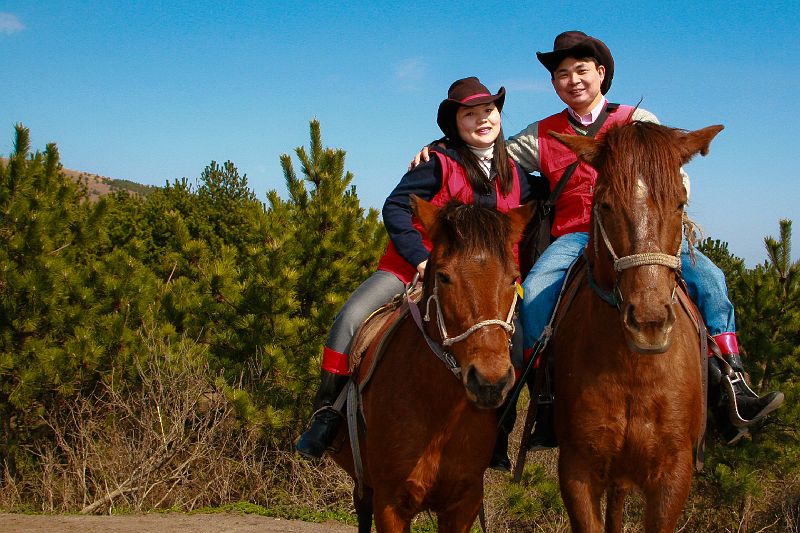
705 281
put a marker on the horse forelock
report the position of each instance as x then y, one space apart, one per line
641 151
473 229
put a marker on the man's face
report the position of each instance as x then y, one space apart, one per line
577 82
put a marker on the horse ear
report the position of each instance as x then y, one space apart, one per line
587 148
425 211
519 219
698 141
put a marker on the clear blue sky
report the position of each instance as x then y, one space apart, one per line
153 91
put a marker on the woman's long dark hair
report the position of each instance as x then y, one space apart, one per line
477 177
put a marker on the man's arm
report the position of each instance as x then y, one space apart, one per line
524 148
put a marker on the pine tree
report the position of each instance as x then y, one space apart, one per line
46 349
333 246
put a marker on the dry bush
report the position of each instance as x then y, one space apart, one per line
168 439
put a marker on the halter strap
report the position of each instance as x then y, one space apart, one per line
635 260
614 296
444 356
507 324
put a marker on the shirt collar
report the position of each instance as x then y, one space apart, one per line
482 153
589 118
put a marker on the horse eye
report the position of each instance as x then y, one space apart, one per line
444 278
605 206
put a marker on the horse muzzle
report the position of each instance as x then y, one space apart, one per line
647 322
486 393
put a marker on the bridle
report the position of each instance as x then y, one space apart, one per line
614 297
447 341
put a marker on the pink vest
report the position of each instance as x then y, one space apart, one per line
455 185
574 204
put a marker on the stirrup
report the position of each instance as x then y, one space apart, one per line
323 409
730 382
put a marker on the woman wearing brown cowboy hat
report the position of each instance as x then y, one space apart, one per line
474 169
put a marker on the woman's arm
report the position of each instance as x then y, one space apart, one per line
424 181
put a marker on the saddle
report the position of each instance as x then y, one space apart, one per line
370 339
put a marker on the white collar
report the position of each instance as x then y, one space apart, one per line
484 154
589 118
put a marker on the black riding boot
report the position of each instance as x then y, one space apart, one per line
325 421
500 460
735 406
544 434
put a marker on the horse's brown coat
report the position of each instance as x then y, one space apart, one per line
426 443
626 415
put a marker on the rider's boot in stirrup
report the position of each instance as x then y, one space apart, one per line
325 421
736 407
500 460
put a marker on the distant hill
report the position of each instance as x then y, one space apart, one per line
101 185
98 186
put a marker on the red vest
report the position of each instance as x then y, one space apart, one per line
455 185
574 204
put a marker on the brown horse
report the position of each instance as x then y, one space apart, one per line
429 427
627 367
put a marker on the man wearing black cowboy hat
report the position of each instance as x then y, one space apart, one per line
582 69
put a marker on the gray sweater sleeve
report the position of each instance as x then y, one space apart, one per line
524 148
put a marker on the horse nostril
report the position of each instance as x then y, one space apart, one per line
670 315
630 318
473 382
506 380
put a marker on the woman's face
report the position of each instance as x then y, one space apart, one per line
478 125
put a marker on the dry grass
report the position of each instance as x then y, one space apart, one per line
173 441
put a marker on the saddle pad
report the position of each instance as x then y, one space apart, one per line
373 330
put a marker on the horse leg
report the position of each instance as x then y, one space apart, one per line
615 502
666 495
459 518
581 492
363 507
391 515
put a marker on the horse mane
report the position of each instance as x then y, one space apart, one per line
643 150
471 228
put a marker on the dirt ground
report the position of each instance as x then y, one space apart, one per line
163 523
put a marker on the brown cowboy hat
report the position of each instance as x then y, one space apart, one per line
579 45
465 92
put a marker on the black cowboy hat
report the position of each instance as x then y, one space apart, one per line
579 45
465 92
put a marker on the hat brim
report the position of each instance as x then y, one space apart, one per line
590 48
551 60
448 107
